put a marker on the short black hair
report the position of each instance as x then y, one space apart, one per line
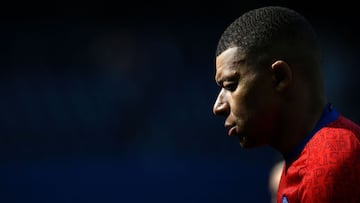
271 29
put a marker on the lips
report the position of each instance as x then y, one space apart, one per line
232 131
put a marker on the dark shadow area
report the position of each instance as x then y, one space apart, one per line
113 103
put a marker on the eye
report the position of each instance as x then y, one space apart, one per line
230 85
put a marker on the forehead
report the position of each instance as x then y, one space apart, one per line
227 56
228 61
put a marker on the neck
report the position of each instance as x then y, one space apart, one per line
299 119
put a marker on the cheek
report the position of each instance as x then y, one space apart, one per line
264 112
253 104
238 103
241 109
251 98
259 96
246 100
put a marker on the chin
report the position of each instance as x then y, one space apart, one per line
248 143
244 142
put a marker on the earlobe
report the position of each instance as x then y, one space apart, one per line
282 75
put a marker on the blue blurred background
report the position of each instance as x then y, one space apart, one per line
107 102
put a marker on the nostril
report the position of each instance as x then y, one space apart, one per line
220 109
215 111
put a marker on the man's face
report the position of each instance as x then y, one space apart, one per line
247 99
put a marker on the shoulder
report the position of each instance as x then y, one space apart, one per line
334 146
347 126
332 163
339 136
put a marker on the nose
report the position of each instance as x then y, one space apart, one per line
221 106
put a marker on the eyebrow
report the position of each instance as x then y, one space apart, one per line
239 61
227 77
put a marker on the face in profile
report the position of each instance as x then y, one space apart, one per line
247 99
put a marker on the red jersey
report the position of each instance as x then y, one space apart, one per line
326 167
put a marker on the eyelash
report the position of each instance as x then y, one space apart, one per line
230 86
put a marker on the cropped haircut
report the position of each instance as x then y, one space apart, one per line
270 32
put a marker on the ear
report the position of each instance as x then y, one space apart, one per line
282 75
